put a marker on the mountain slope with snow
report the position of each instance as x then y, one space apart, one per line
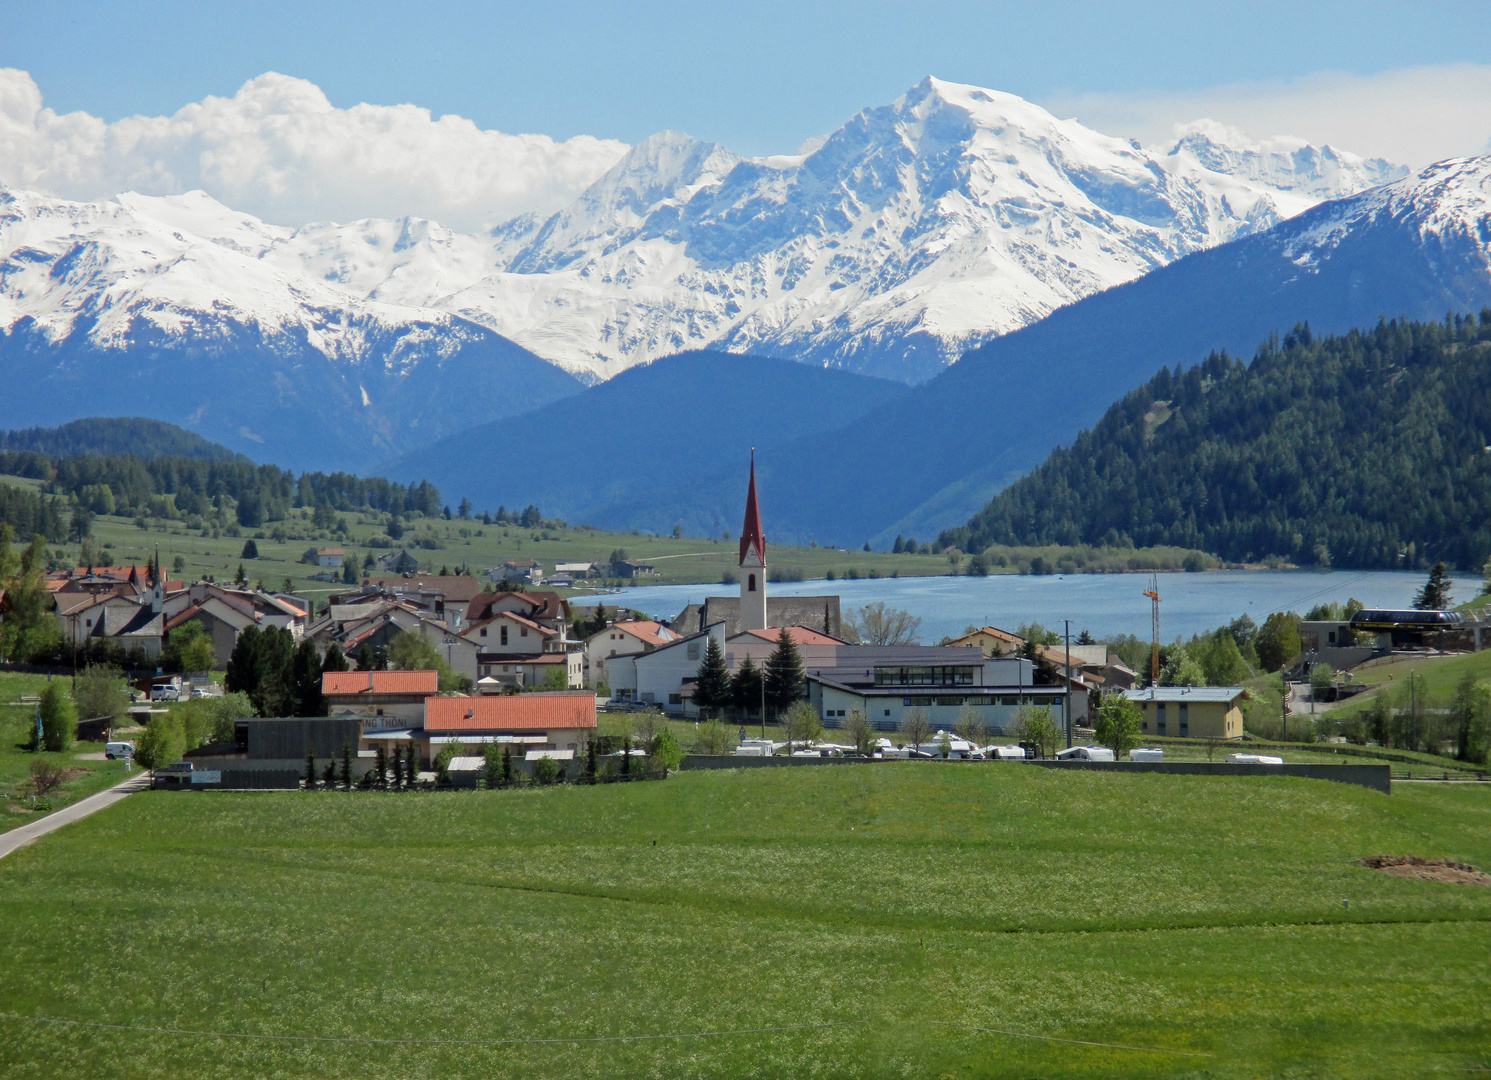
915 231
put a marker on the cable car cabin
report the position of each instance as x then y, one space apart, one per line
1408 626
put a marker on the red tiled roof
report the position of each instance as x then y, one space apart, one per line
750 532
349 683
515 712
183 617
647 631
801 635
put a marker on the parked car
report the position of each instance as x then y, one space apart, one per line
117 750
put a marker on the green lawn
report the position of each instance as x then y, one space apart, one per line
17 723
1438 676
1165 913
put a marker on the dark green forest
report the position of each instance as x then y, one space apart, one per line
1366 450
105 436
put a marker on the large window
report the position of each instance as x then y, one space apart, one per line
924 676
750 583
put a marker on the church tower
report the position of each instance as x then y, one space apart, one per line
752 562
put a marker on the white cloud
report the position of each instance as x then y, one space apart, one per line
1412 116
278 149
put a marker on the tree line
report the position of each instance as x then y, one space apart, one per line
1363 450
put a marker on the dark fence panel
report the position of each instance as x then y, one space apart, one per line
1376 777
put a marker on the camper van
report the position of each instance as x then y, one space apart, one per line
1007 753
1146 755
116 750
1253 759
1085 753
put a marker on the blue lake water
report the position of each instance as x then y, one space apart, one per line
1103 604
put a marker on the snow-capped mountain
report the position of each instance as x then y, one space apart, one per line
912 233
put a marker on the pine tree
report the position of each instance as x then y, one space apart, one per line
411 770
329 775
305 680
1435 595
398 768
507 766
590 761
745 686
626 755
347 765
784 673
334 660
712 685
381 766
310 769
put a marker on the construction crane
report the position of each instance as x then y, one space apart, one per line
1153 592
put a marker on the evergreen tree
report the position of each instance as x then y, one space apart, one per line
310 769
1435 595
591 765
329 775
59 717
745 686
349 572
334 660
411 771
250 550
507 766
305 680
626 755
398 768
347 765
380 767
712 684
366 661
784 673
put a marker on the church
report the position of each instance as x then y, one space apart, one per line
752 609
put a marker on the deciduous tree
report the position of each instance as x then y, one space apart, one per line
916 727
1117 725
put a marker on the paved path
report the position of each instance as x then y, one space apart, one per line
26 834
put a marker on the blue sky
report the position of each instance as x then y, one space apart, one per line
758 78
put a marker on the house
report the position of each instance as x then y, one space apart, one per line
376 623
542 721
1095 665
381 699
1196 712
444 596
632 568
622 639
521 638
125 605
519 570
400 562
545 608
992 640
226 612
330 557
574 569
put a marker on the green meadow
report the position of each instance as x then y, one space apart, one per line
901 919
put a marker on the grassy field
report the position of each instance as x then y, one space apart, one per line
1438 676
939 917
679 560
17 723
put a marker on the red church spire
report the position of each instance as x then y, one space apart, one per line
750 532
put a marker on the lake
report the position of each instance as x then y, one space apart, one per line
1103 604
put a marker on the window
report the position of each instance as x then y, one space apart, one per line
483 631
750 583
1159 719
504 635
887 712
675 699
1144 726
1185 719
693 650
522 631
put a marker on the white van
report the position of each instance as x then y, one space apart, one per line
1085 753
116 750
164 693
1146 755
1007 753
1253 759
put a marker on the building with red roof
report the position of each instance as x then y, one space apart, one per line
541 721
383 699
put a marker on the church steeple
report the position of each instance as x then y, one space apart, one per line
752 561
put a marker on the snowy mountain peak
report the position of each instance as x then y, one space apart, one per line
914 231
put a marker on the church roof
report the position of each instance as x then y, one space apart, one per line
750 532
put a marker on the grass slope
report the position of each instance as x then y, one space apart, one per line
1159 912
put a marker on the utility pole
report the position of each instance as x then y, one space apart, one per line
1413 712
1153 592
1067 697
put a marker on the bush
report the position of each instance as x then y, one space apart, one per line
664 750
161 743
59 718
545 771
102 692
713 738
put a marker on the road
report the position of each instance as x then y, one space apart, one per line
26 834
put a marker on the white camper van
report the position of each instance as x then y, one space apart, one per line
1146 755
1085 753
1253 759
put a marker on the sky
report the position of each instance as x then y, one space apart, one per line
297 111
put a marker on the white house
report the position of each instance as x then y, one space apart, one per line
622 639
330 557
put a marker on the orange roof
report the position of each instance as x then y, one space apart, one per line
801 635
349 683
515 712
648 631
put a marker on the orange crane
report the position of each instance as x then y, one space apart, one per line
1153 592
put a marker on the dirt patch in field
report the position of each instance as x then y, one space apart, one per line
1456 873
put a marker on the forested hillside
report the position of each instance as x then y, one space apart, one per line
1367 450
104 435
